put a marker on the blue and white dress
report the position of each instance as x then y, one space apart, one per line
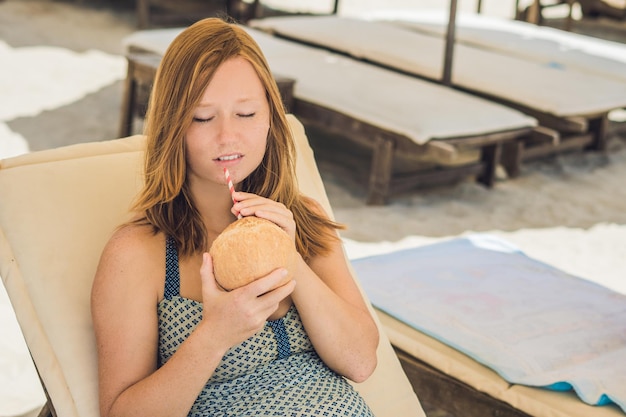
276 372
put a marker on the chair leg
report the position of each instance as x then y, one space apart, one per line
511 158
243 11
47 410
128 102
598 127
143 14
534 13
490 157
380 172
570 19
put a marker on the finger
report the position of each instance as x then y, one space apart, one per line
206 273
282 291
270 300
264 208
267 283
248 204
283 218
252 200
243 196
250 207
235 211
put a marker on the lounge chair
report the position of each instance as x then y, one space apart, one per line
571 102
533 13
613 9
58 209
393 115
497 332
545 45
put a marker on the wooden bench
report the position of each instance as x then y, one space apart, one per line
571 106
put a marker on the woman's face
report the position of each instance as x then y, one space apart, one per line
230 125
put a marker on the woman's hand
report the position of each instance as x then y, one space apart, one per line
238 314
253 205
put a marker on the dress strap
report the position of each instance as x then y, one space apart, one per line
172 273
281 336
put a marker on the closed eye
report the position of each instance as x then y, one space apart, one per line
201 120
247 115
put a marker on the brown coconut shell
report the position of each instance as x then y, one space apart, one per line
249 249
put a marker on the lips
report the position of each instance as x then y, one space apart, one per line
227 158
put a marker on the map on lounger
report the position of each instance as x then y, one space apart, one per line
533 324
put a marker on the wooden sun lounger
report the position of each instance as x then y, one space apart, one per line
573 103
444 376
544 45
391 114
457 384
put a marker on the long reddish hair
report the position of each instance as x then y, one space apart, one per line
185 71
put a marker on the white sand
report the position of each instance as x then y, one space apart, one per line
20 391
569 211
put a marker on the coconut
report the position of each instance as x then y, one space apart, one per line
249 249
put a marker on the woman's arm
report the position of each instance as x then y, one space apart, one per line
330 304
124 302
335 315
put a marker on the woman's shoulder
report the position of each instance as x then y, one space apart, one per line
135 237
134 257
134 244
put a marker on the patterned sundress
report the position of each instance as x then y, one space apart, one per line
276 372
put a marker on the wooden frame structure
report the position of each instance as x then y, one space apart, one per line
451 395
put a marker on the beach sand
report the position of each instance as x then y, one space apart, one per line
568 210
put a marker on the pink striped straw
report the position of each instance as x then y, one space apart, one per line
231 188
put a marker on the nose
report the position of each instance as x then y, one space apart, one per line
225 129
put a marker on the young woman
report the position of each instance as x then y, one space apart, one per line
170 341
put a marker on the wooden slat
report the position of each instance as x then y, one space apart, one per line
451 395
573 143
436 176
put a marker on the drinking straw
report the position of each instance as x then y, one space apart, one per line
231 187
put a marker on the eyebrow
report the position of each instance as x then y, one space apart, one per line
242 100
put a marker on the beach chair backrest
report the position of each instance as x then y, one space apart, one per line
58 208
